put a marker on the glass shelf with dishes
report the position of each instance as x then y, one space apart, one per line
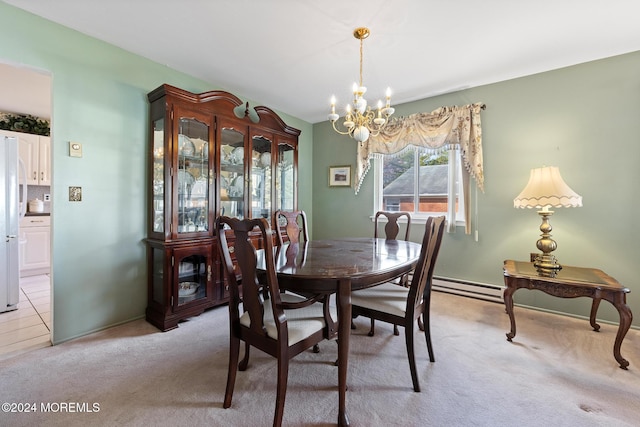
158 176
181 178
261 181
232 167
285 176
193 176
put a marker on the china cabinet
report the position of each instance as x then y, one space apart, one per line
209 155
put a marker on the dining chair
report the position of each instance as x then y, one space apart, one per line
295 229
295 226
392 228
401 306
281 325
391 231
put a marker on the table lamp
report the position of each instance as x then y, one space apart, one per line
546 189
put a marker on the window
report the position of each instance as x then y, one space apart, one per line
456 130
420 181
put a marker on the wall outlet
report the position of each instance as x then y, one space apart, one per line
47 197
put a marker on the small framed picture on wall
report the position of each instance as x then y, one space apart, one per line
340 176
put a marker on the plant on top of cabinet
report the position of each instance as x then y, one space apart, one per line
24 123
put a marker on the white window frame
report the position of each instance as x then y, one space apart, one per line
455 177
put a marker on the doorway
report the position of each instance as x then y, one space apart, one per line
27 91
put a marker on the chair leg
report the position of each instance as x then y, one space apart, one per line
372 330
420 324
408 335
396 332
283 374
316 348
426 319
404 281
245 360
234 353
427 333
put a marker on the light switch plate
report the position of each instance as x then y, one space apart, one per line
75 149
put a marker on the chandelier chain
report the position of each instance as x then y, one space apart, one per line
361 43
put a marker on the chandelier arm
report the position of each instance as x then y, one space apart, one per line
347 132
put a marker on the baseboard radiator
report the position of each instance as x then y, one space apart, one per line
469 289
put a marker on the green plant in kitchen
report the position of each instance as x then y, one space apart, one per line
24 123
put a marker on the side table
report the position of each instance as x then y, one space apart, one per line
570 282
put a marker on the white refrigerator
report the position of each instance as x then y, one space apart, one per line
11 172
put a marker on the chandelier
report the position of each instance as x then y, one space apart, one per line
360 121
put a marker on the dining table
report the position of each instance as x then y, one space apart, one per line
340 266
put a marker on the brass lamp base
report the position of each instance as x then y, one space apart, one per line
546 261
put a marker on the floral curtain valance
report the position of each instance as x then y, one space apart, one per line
445 126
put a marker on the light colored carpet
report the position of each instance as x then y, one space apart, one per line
557 372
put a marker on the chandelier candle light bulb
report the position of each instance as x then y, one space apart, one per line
348 122
361 122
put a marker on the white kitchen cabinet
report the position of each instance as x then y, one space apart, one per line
35 245
35 152
44 160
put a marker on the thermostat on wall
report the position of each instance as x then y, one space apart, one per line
75 149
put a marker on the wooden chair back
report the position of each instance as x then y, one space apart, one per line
420 287
295 226
253 292
392 227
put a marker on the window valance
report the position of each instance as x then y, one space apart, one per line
457 125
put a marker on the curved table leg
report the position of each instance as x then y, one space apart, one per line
508 304
625 322
344 331
594 310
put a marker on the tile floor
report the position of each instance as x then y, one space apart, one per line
28 327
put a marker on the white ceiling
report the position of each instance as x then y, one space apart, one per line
292 55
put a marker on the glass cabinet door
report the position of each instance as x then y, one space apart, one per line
261 181
285 179
157 276
157 216
193 175
192 273
232 170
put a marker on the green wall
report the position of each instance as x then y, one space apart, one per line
583 119
99 99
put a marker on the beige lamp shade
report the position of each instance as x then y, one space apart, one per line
545 189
